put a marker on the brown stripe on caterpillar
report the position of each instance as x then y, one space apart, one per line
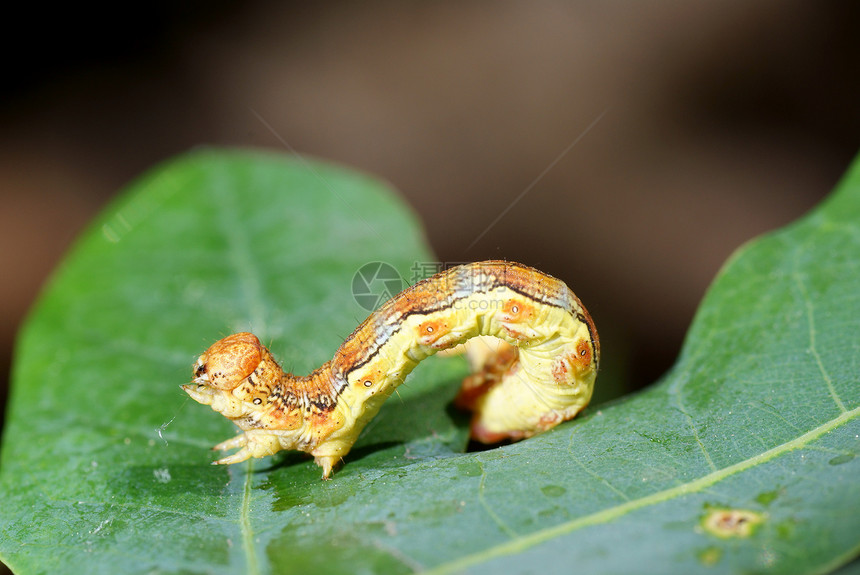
544 374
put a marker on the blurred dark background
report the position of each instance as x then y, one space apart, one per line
717 122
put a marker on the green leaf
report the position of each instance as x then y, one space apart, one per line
105 467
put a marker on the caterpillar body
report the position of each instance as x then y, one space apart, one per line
544 373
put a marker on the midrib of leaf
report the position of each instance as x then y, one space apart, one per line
840 561
525 542
252 567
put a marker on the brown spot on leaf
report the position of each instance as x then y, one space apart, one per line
727 523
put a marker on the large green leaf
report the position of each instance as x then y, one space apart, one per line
760 414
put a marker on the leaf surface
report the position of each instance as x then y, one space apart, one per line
104 467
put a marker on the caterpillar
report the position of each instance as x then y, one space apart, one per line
542 374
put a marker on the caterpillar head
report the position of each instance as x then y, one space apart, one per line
229 361
223 374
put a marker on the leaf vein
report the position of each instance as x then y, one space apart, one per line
676 398
248 546
498 520
813 347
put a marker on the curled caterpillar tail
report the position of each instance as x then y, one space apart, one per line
541 375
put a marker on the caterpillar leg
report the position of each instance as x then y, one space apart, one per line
237 457
327 462
239 441
490 358
254 443
512 397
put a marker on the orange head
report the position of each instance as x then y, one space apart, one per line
221 371
228 362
